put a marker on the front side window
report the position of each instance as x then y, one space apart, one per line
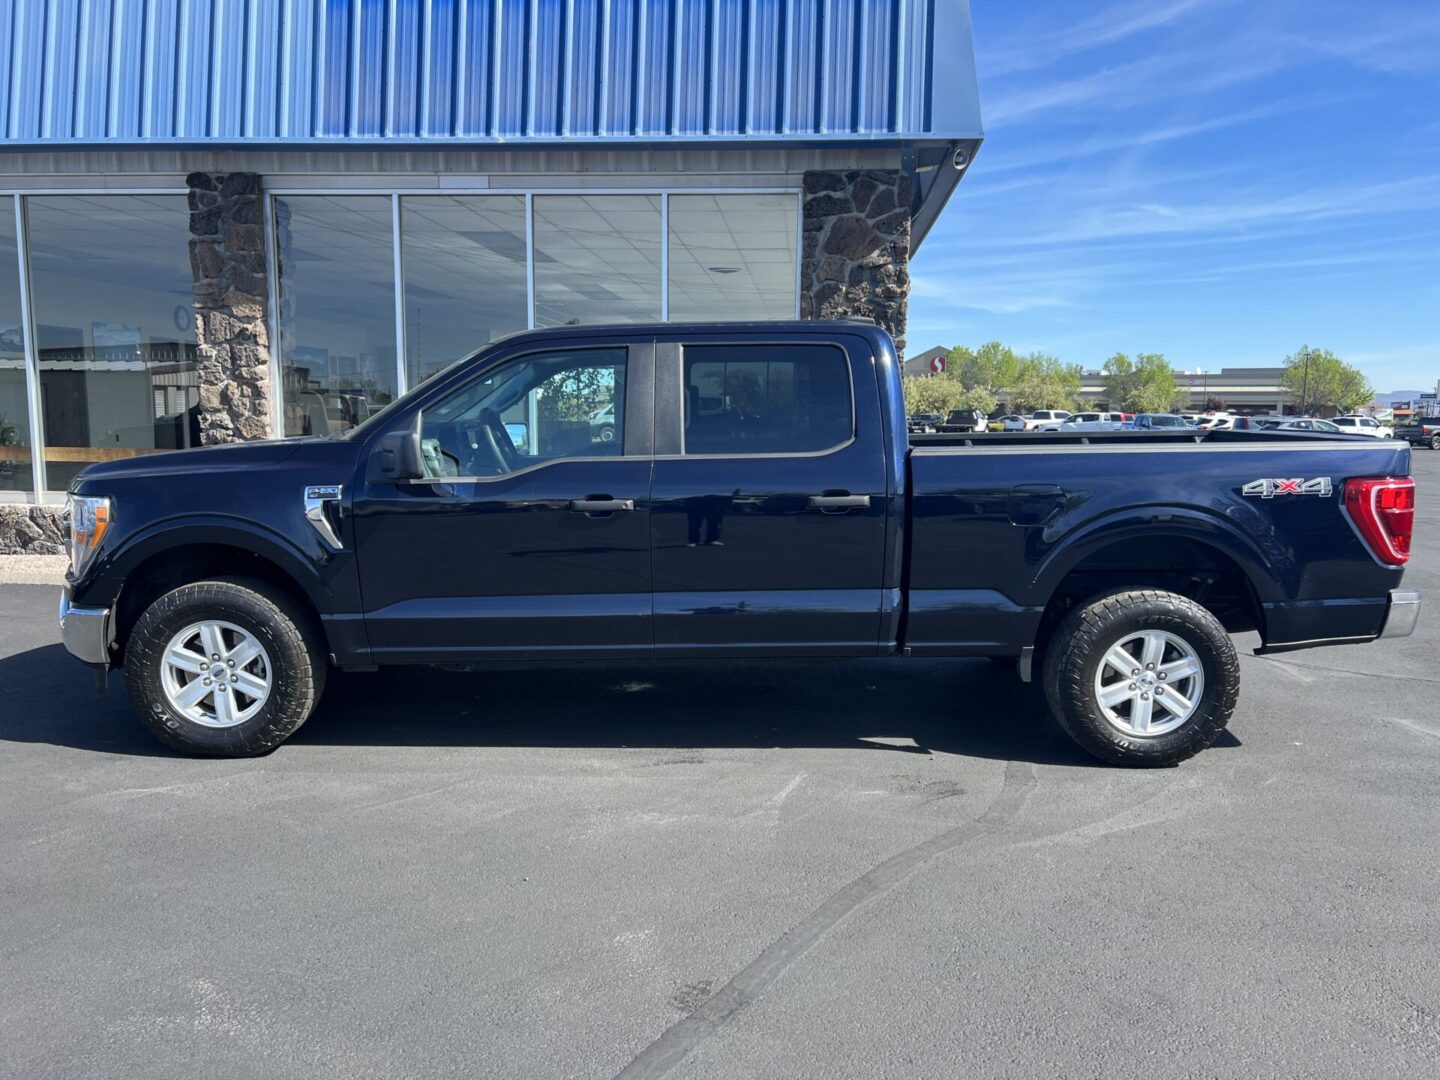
766 399
529 410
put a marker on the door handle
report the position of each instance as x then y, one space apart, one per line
838 502
601 504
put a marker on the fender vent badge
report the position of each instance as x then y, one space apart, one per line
316 497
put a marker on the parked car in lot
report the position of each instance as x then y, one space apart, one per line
923 423
1040 417
1305 423
1215 422
784 514
1008 423
1250 423
964 420
1363 425
1161 422
1420 431
1089 421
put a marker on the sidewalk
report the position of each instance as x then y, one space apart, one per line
33 569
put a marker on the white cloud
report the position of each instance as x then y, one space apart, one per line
1037 50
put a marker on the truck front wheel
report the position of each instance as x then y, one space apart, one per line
1142 677
224 668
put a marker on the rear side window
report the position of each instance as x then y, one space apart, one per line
766 399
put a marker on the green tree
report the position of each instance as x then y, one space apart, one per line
1317 378
993 366
1144 384
1156 389
932 394
978 398
1121 380
1043 382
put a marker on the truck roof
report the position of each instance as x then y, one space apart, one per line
855 326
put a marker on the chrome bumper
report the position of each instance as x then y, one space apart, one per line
1402 614
85 631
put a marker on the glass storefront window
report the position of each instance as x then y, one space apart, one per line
597 259
464 270
337 309
733 256
113 306
15 472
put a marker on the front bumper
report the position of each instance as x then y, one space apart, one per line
85 631
1402 614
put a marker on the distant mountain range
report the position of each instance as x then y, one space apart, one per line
1400 395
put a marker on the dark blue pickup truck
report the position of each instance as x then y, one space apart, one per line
726 491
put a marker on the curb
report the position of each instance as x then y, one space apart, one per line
33 569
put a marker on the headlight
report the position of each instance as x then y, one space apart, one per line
90 519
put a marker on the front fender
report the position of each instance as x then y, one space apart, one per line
314 571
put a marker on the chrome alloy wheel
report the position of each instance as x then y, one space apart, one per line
216 674
1145 670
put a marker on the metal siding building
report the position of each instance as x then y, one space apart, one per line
313 72
227 218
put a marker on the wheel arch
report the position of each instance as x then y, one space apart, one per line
1200 556
154 564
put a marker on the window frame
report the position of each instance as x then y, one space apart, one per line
670 391
636 444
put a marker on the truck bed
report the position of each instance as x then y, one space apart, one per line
997 520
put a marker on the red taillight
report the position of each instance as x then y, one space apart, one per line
1383 510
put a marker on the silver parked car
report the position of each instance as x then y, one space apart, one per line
1305 423
1147 421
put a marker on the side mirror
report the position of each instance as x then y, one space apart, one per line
399 455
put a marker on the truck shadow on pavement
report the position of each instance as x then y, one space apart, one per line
970 708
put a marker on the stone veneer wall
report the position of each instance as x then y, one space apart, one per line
31 530
856 256
227 257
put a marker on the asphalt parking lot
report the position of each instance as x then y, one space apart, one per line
876 869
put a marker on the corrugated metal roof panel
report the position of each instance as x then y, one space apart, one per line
446 71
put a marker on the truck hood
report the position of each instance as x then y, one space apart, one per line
226 457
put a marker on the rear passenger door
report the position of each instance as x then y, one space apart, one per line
768 502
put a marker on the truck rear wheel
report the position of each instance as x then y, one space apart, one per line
224 668
1435 442
1142 677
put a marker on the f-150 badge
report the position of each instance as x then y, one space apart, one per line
1268 489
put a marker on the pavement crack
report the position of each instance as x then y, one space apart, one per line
678 1040
1332 670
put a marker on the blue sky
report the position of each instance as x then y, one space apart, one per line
1218 180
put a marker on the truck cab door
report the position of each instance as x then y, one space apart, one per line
529 534
768 520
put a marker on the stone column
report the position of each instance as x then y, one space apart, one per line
227 257
856 257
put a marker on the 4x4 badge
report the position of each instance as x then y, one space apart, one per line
1268 489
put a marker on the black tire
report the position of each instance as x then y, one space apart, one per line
1435 442
290 639
1078 647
